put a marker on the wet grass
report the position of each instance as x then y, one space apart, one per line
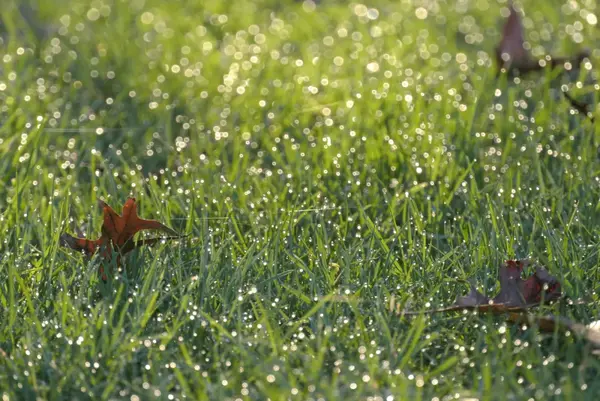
328 163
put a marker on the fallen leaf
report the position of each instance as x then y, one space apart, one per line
511 53
516 296
515 293
474 298
117 234
512 57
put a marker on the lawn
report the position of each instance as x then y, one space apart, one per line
330 164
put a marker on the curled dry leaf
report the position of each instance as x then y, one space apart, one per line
117 234
512 56
516 296
515 293
511 53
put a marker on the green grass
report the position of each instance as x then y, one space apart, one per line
327 163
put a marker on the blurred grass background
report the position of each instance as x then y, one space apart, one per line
328 161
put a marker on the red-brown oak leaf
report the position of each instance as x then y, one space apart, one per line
121 229
511 52
512 56
117 234
514 291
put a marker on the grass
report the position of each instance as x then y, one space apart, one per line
327 162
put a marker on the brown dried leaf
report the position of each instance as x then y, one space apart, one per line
515 293
117 233
510 53
511 286
474 298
